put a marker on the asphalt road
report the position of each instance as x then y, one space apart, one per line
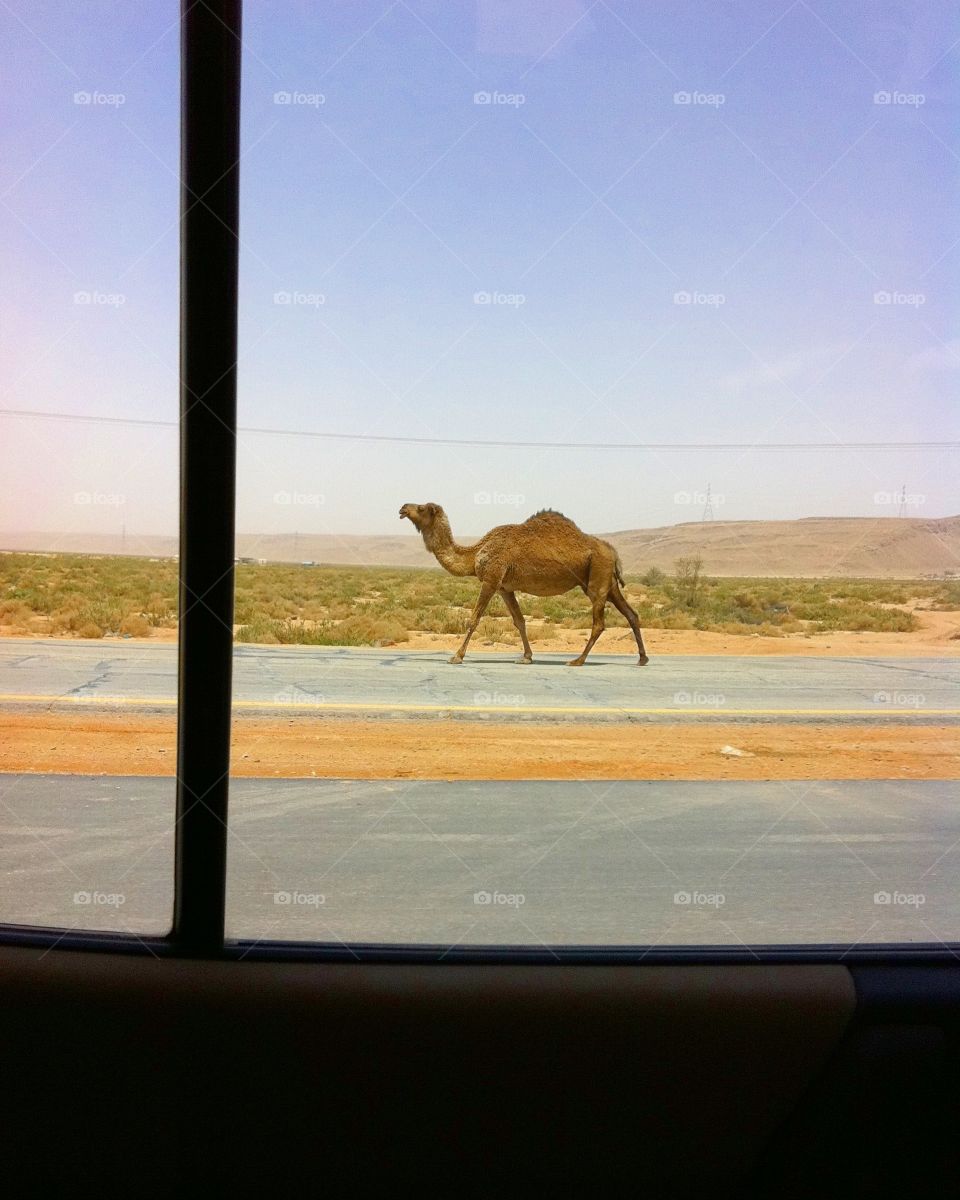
522 863
315 679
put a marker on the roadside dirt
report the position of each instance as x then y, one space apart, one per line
138 744
937 637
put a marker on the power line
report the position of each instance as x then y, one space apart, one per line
493 442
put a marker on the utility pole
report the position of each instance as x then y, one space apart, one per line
708 506
902 508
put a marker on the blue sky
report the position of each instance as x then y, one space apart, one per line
693 223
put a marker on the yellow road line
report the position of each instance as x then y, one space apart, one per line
362 706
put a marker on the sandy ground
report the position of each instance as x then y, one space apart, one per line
938 637
138 744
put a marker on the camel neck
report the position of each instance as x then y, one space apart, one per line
458 560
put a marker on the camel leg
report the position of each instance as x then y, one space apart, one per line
486 595
510 600
599 603
620 602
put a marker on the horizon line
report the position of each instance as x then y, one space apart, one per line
302 533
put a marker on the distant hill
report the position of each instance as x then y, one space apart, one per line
871 547
150 546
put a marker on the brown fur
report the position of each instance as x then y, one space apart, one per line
545 556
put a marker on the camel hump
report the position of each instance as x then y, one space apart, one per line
550 516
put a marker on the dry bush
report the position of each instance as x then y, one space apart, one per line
358 630
136 625
542 633
440 620
495 629
678 620
361 630
14 612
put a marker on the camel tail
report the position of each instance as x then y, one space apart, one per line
618 572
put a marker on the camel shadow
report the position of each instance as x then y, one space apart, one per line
484 660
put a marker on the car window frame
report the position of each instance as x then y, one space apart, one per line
210 33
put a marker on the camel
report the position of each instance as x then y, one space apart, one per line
545 556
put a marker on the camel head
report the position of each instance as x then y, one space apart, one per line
422 515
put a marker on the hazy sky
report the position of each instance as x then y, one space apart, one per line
520 220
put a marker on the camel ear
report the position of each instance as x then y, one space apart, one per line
431 509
